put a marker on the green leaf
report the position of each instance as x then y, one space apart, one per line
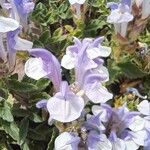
25 146
69 28
58 32
51 142
23 130
5 112
12 130
25 87
34 135
21 86
44 37
36 118
131 70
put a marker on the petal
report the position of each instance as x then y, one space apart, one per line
145 9
103 71
101 51
70 107
118 145
98 41
98 142
3 53
147 124
112 5
76 1
144 107
66 141
8 24
41 104
68 62
22 44
117 17
97 93
94 123
126 2
139 137
104 144
137 124
131 145
34 68
50 64
104 111
104 51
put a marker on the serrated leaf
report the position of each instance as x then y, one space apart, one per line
25 87
21 86
131 70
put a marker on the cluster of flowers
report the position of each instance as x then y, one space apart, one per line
107 128
11 25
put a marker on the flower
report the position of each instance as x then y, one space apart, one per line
89 76
94 50
145 9
97 141
43 65
14 43
85 57
46 65
120 16
21 9
77 5
120 128
144 109
6 25
67 141
70 105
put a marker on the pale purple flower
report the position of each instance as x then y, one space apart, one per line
67 141
145 9
119 126
43 65
69 105
85 57
6 25
77 5
14 43
94 50
120 17
21 10
9 30
46 65
144 109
